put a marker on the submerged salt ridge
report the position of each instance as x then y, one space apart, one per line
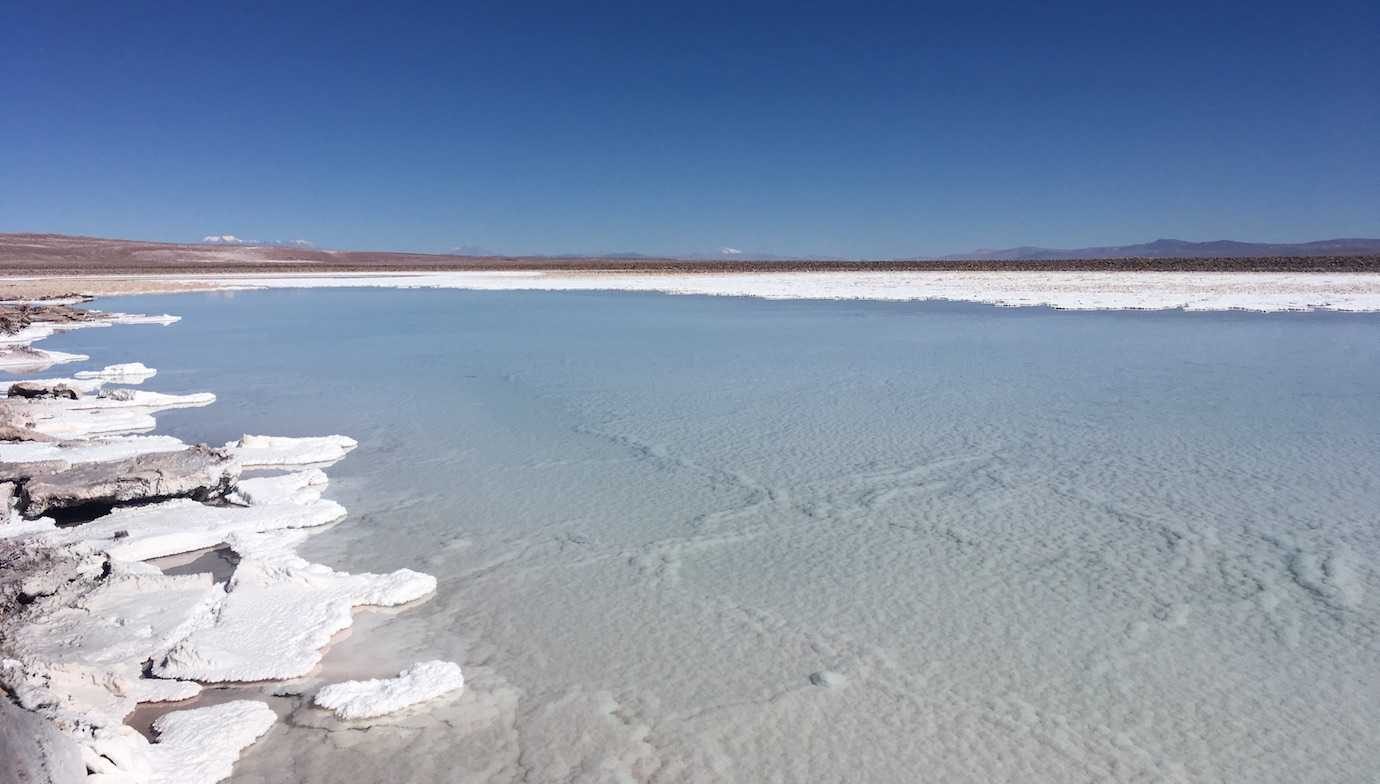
91 629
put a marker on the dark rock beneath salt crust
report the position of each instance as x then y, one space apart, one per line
42 389
199 472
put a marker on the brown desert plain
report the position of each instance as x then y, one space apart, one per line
41 266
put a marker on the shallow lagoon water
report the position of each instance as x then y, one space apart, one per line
720 539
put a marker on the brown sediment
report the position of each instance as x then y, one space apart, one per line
16 316
53 266
58 258
84 286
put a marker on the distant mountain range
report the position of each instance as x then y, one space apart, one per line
720 255
1181 249
1158 249
57 255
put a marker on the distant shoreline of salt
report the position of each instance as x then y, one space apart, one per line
1270 292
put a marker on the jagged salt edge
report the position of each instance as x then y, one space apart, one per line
300 487
84 386
194 744
134 614
284 451
17 353
381 696
89 450
280 611
86 418
140 399
124 373
200 746
141 533
37 361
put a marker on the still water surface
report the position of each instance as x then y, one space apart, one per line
701 539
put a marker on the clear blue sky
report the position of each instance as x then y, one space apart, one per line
854 129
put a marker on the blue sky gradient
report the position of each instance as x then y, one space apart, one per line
859 129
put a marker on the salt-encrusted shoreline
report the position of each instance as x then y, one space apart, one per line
89 628
1070 290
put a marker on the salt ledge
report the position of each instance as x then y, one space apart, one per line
381 696
90 629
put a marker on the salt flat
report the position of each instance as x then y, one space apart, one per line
1072 290
1258 291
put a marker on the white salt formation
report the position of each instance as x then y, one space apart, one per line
116 412
87 450
32 360
18 356
32 333
78 385
199 746
138 533
279 612
127 373
300 487
163 320
382 696
140 399
282 451
89 629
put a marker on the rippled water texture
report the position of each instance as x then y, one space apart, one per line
685 538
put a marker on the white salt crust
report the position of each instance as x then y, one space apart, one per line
18 356
79 659
130 411
197 746
91 450
201 745
139 533
279 612
79 385
379 697
140 399
127 373
33 360
1256 291
282 451
299 487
